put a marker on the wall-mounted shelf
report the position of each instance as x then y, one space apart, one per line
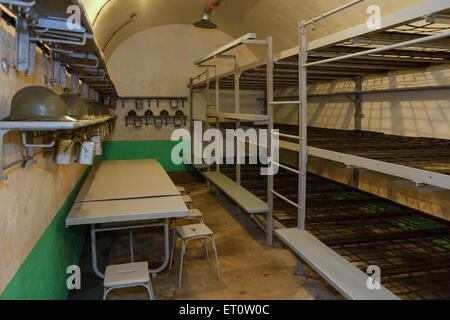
26 126
50 125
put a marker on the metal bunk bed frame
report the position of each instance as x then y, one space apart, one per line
233 189
323 260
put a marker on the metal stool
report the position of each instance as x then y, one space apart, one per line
187 201
188 233
195 214
127 275
181 190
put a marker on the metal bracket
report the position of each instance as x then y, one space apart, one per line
84 90
25 55
26 4
2 134
6 65
63 77
22 45
55 30
75 84
31 59
28 145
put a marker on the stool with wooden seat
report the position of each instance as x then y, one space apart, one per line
181 190
127 275
188 233
195 214
187 201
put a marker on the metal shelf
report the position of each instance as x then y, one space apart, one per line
50 125
26 126
239 116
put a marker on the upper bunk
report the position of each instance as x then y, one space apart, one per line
403 31
412 39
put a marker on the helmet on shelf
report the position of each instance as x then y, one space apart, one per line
106 111
37 103
77 107
94 109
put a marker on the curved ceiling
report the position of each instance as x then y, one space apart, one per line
116 20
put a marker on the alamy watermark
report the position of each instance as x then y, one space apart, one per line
230 149
74 279
73 21
374 20
374 280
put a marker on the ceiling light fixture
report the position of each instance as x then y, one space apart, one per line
205 22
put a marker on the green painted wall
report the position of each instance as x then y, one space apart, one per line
42 275
148 149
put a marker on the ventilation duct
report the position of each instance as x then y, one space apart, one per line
205 22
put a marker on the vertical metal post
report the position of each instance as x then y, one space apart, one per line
237 110
208 103
191 114
269 108
217 106
358 103
358 117
302 125
207 106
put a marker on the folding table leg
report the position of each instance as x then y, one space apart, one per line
166 249
174 244
94 253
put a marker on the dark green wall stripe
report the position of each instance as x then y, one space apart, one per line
42 275
148 149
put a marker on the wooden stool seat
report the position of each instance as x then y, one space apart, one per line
181 190
188 201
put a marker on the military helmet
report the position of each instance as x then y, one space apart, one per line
106 111
98 109
37 103
91 109
94 112
77 107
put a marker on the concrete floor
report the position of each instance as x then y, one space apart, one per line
249 269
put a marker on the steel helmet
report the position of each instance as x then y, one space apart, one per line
106 111
77 107
94 111
91 109
98 109
38 103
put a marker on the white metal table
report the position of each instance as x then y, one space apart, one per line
127 179
121 202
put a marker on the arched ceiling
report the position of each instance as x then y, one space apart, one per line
278 18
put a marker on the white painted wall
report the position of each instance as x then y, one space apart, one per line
159 62
416 114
